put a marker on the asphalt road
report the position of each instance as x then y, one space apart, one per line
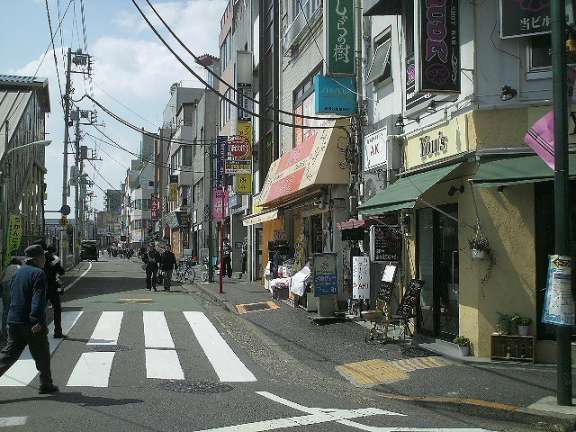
192 367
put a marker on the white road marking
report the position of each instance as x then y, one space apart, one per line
156 331
107 329
322 415
12 421
75 281
225 362
163 364
23 372
92 370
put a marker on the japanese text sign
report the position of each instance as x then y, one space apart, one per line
14 236
325 277
219 205
238 166
339 32
361 277
524 18
244 184
438 64
335 95
558 301
221 150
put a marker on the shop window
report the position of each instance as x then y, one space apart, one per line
304 102
540 53
380 67
187 156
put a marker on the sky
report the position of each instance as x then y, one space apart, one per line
132 74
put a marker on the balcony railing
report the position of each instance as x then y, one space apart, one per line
307 16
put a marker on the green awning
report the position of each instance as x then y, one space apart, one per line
404 193
516 171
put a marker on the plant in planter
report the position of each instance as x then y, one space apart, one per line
524 325
464 345
479 246
505 324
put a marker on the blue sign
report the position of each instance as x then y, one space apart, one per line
221 152
335 95
558 302
324 276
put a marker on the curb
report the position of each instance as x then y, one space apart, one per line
225 304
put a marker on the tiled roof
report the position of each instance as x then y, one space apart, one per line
19 80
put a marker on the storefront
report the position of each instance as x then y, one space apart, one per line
179 224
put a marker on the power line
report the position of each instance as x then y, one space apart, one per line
54 52
224 97
120 164
227 84
123 105
101 176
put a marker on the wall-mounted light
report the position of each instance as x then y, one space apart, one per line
453 189
431 106
400 122
508 93
571 44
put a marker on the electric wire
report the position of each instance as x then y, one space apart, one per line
100 175
227 84
52 35
227 99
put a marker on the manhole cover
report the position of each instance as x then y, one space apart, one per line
196 387
109 348
254 307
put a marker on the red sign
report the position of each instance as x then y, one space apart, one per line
155 207
238 148
219 205
286 185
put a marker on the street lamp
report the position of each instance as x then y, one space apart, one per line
3 184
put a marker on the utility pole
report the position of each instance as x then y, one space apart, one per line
77 159
208 211
561 187
66 124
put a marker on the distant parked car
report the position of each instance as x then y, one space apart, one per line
88 250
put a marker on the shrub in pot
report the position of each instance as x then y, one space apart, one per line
524 326
480 247
505 324
464 345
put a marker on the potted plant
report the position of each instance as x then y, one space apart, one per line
463 344
480 247
505 324
524 326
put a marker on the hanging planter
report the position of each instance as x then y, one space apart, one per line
479 245
478 254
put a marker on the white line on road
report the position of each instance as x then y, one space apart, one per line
75 281
23 372
163 364
156 331
225 362
92 370
12 421
107 330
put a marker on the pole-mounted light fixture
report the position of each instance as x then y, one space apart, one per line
508 93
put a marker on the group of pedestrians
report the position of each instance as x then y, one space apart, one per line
154 262
30 286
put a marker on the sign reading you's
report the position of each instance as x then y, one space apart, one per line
439 59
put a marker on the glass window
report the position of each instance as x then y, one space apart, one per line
541 53
187 156
380 68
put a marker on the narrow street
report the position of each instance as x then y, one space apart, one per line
154 361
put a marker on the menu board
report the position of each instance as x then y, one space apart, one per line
361 277
324 274
385 243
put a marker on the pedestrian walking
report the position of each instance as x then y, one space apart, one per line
151 260
54 271
9 274
167 265
244 256
227 267
27 318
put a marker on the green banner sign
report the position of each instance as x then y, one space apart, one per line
339 32
14 236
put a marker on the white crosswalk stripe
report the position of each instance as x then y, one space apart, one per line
163 364
23 372
107 330
92 370
225 362
156 331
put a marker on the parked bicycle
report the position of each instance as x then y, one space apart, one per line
184 272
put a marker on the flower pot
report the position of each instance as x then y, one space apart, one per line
523 330
478 254
464 350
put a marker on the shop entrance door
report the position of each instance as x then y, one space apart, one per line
438 267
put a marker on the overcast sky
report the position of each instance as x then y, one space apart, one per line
132 70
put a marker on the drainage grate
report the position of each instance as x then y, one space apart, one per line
109 348
196 387
255 307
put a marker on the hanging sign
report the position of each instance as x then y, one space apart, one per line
238 166
244 130
244 94
524 18
558 301
14 236
324 274
339 32
438 62
244 184
385 243
221 151
361 277
238 148
219 205
335 95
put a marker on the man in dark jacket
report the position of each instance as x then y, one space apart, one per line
151 260
167 265
227 267
53 268
27 318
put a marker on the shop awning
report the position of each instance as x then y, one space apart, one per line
382 7
318 161
260 218
404 193
351 224
516 171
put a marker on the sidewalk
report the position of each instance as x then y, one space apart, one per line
395 371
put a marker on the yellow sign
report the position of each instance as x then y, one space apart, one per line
244 129
14 236
256 207
438 143
244 184
173 192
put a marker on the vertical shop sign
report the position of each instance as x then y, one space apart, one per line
244 95
559 302
221 151
14 236
219 205
154 207
385 243
339 32
438 62
324 274
173 189
361 277
244 184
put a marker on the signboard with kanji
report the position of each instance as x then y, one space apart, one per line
14 236
219 205
221 150
520 18
238 166
244 184
339 32
324 275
